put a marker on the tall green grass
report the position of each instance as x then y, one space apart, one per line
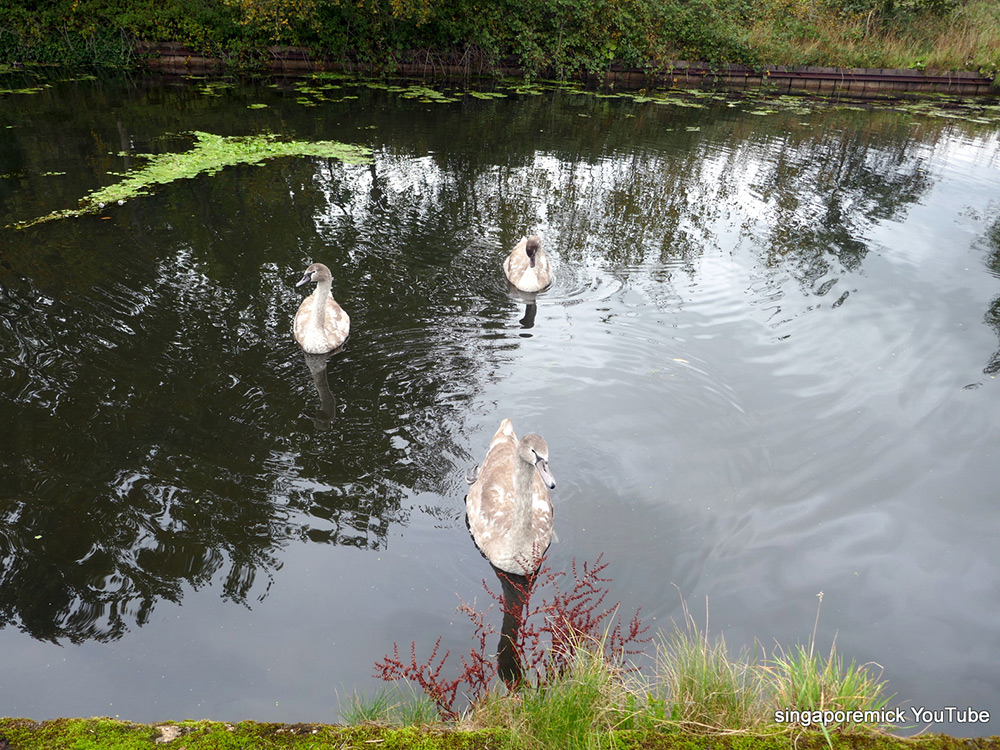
695 684
578 707
397 705
963 37
802 679
706 687
709 689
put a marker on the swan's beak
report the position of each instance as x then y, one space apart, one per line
543 471
306 278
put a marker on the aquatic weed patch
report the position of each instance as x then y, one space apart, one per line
209 154
24 90
981 112
421 92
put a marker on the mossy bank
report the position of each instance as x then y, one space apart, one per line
113 734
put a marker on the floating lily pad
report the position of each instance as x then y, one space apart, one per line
214 88
425 94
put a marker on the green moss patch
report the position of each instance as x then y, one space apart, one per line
112 734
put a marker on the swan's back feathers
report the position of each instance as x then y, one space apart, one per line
491 509
330 336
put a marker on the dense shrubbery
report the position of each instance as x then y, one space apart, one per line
553 37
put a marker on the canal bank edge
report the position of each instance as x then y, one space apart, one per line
172 57
114 734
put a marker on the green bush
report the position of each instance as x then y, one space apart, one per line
546 37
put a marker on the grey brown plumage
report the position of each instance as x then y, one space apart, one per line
527 267
508 507
320 325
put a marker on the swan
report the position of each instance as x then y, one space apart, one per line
320 325
508 508
526 267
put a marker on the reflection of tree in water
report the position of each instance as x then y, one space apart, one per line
76 576
155 446
822 193
804 195
805 201
993 314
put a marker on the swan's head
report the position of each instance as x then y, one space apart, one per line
533 449
531 247
316 272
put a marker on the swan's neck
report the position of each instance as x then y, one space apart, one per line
524 477
320 296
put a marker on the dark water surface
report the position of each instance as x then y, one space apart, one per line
766 369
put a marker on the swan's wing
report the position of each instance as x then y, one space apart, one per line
301 320
490 501
337 323
488 511
516 262
543 271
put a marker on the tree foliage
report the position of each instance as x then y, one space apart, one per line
544 37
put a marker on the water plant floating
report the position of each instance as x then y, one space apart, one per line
209 154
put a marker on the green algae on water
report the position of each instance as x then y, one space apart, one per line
24 90
209 154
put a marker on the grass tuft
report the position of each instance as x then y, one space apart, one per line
399 705
578 707
706 687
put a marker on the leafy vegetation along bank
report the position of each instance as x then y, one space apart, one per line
551 37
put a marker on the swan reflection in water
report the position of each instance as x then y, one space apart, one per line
530 305
323 417
509 515
516 592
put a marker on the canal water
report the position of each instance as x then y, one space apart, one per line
766 369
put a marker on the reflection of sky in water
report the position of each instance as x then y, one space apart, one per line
751 372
